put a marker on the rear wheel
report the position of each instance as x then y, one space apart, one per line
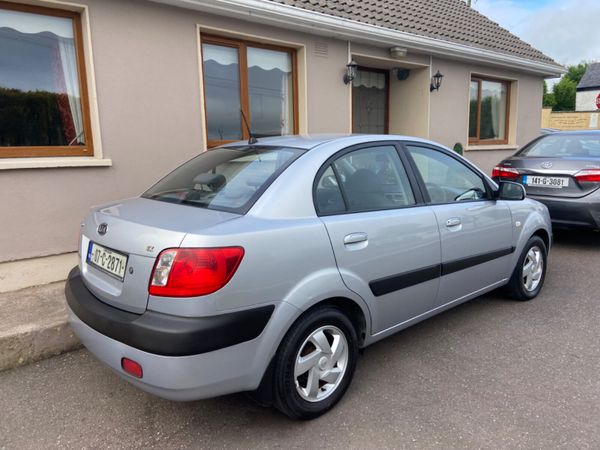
315 363
528 277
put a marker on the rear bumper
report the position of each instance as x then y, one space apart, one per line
234 368
164 334
572 212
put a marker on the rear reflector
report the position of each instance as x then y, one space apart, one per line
588 176
505 172
132 368
191 272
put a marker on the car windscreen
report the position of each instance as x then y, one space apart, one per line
565 145
226 179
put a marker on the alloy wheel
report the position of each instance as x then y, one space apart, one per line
533 268
321 363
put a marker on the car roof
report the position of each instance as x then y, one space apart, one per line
584 132
310 141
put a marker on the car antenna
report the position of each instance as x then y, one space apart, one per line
252 140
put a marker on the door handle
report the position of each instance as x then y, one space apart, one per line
355 238
453 222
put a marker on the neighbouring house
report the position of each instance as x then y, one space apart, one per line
99 98
587 97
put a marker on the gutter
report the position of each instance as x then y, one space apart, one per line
290 17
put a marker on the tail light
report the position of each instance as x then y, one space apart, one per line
190 272
588 176
505 172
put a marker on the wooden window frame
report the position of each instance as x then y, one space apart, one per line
242 46
59 150
387 99
476 140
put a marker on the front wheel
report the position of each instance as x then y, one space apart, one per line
315 363
528 277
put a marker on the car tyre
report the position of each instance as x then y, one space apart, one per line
315 363
528 277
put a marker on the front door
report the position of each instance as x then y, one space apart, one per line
385 240
370 99
475 231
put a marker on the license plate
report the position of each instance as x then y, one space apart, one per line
107 260
549 182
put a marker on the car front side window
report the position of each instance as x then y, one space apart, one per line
446 179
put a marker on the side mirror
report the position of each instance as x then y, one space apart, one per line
510 191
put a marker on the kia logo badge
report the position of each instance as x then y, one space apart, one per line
102 228
546 165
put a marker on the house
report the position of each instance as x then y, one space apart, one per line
100 98
587 96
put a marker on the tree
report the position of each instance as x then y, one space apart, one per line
549 100
562 97
576 72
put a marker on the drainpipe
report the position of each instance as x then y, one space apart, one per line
349 59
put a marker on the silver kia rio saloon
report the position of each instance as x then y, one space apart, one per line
265 267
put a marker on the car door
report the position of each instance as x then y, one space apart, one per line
475 230
385 239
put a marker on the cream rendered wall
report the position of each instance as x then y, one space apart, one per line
449 109
328 97
409 104
147 79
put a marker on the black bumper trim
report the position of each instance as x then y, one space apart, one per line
163 334
465 263
403 280
393 283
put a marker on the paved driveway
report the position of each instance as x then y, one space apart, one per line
489 374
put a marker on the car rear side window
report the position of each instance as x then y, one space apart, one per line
446 179
226 179
366 179
328 195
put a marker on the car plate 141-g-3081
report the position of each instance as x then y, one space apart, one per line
550 182
107 260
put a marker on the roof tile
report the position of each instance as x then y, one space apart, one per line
449 20
591 77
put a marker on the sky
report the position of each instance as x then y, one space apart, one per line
567 30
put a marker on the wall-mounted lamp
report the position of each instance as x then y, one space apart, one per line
398 52
436 81
350 72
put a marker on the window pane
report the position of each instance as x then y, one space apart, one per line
369 102
227 179
328 195
446 179
493 110
40 100
222 92
473 96
270 90
374 178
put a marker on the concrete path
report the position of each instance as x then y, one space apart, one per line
33 325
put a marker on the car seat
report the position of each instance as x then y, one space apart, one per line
365 191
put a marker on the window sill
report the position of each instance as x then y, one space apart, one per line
53 162
472 148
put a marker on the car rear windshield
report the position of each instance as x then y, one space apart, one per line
557 146
226 179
